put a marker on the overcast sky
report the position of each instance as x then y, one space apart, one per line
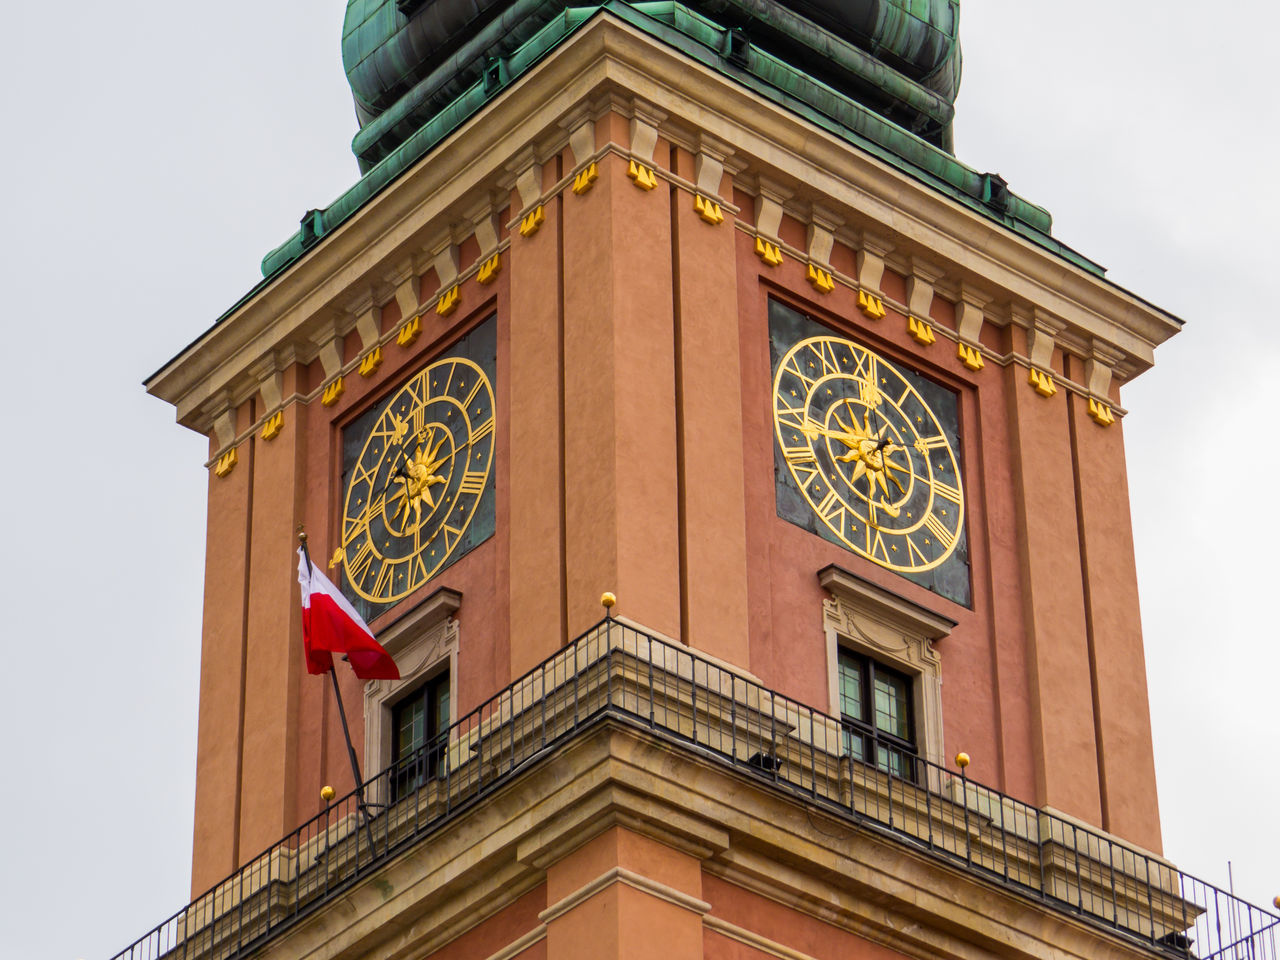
156 151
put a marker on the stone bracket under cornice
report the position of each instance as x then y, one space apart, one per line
865 202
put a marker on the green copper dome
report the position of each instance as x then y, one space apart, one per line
408 59
882 74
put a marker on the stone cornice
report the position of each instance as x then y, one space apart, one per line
775 845
604 59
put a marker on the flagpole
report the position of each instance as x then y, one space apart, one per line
342 715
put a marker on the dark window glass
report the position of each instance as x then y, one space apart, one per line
420 731
875 708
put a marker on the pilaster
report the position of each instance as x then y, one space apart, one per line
535 327
1060 674
620 469
1122 719
273 653
215 847
713 539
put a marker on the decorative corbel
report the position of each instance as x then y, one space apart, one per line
920 300
1041 339
222 419
822 240
708 173
769 203
406 285
224 427
368 326
445 261
486 234
270 387
329 344
529 187
969 319
645 119
582 141
1098 370
870 259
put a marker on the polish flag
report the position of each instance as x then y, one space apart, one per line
331 625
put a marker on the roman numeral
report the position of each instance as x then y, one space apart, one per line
832 510
474 390
358 565
934 443
382 586
362 474
939 530
355 526
805 476
917 557
876 548
825 351
785 409
473 482
482 431
445 531
793 367
412 392
798 454
869 390
946 490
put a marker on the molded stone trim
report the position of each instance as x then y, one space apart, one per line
880 624
423 643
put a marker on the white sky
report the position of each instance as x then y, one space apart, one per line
156 151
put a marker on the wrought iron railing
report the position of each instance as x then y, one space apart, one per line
615 671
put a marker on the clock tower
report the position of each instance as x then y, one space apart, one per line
689 307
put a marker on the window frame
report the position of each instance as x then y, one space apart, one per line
423 763
865 727
424 644
870 621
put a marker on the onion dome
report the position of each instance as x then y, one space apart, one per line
406 60
879 73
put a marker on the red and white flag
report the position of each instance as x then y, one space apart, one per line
331 625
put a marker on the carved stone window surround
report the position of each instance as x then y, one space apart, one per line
424 644
895 631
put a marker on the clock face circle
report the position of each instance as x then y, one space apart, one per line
418 480
867 454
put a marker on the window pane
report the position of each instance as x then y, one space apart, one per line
850 687
417 723
855 745
892 705
441 706
894 760
409 725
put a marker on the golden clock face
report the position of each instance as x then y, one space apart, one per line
418 481
867 454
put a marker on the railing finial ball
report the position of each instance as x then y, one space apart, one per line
327 793
1276 902
962 759
607 599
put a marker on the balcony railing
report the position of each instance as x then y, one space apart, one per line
615 671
